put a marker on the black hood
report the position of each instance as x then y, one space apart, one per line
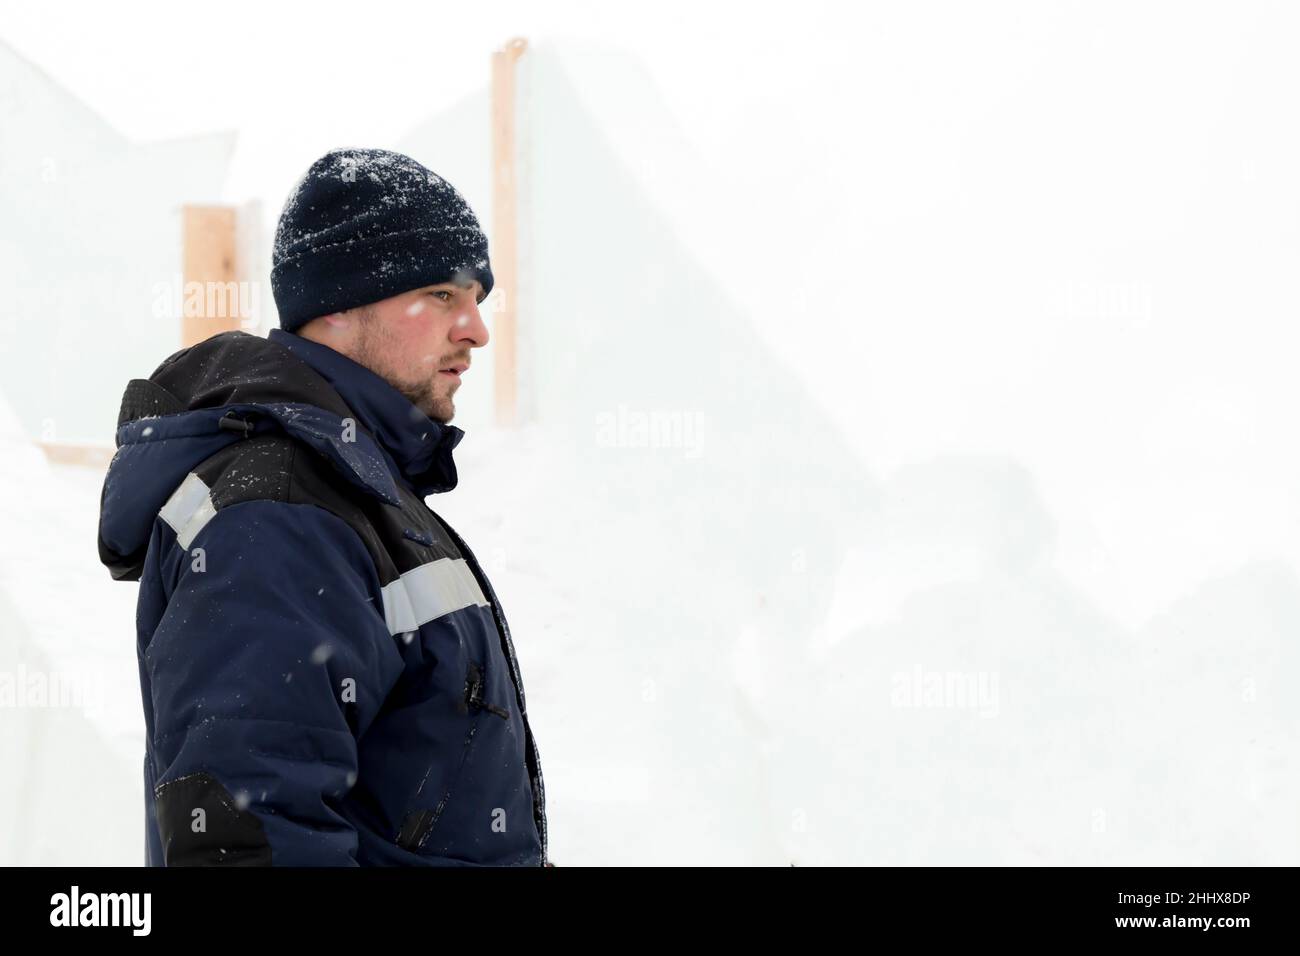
233 385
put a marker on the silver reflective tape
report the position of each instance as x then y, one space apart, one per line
428 592
188 509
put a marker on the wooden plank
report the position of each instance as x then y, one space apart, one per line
90 456
504 250
211 295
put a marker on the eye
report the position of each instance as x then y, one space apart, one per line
443 292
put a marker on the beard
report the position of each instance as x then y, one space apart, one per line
438 407
373 349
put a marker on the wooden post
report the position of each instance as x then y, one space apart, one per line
90 456
211 296
505 250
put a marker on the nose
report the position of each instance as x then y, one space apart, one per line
469 326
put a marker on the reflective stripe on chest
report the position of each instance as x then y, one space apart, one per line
428 592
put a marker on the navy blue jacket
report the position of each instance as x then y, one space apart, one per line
327 675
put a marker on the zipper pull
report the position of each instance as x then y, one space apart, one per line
474 693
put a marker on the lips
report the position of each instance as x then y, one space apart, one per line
454 370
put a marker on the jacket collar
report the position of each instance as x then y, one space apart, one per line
417 448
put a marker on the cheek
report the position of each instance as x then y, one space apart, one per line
418 341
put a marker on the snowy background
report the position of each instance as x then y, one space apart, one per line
979 542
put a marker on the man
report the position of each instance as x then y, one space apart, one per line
327 675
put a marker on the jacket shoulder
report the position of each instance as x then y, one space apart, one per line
275 467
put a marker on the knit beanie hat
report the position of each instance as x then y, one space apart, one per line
366 224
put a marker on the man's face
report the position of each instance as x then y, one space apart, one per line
419 341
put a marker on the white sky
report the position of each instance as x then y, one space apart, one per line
328 72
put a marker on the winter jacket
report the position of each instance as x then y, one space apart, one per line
327 675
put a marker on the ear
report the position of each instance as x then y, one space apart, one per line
329 329
341 321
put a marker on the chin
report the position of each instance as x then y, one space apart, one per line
441 412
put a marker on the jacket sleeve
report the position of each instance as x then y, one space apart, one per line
271 658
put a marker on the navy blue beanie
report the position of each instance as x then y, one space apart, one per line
366 224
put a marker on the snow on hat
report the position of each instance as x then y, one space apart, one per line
365 224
